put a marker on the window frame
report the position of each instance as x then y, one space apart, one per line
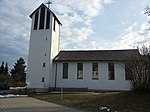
36 19
42 18
43 79
79 70
48 20
111 71
44 65
93 70
65 71
54 24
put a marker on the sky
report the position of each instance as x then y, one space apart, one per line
86 25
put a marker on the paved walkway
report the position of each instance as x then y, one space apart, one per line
28 104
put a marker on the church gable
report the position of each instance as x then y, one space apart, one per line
42 14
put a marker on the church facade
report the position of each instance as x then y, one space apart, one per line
50 69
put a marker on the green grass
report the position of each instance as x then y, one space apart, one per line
122 102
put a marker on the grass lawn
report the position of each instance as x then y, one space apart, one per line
121 102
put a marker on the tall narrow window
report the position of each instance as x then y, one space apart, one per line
54 24
127 75
48 20
95 71
79 70
36 20
43 79
43 64
42 17
111 71
65 70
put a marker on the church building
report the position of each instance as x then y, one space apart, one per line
84 70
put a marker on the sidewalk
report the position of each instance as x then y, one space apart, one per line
28 104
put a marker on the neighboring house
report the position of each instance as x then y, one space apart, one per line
49 68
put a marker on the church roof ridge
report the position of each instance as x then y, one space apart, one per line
103 50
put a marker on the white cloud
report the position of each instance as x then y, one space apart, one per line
81 34
107 1
76 16
91 7
15 28
88 8
131 27
133 38
144 28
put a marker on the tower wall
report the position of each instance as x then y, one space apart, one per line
44 46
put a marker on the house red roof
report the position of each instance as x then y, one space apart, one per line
95 55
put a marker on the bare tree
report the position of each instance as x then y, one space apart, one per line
138 69
147 11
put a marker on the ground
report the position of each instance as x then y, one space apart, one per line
85 102
121 102
28 104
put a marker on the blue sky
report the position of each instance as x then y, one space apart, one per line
87 24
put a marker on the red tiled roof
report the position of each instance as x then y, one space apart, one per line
95 55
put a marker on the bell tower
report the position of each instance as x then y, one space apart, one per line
43 47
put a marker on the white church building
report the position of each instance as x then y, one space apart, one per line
51 69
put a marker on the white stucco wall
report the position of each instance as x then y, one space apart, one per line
55 39
42 41
87 82
38 47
